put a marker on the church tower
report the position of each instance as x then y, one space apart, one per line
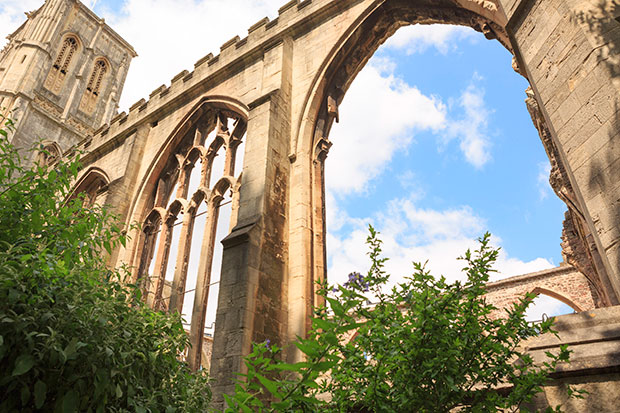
61 76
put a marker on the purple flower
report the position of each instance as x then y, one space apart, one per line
267 344
357 280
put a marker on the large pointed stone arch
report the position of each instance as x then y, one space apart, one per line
310 143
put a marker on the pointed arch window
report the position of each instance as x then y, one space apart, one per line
92 186
48 154
193 206
60 67
94 86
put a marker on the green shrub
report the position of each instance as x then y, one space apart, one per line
424 345
73 336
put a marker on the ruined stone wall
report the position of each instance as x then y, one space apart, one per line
569 52
564 283
594 339
286 78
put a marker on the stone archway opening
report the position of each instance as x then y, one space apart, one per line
549 304
345 62
321 108
433 157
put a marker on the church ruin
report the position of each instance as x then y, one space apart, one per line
248 128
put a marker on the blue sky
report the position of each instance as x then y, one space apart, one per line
469 157
434 145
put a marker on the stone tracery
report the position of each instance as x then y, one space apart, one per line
60 68
94 86
198 179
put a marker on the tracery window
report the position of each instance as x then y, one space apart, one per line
94 86
193 206
48 154
60 68
92 186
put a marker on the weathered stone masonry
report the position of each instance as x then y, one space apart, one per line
277 91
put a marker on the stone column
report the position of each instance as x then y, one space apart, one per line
252 305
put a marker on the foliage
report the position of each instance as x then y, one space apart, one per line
426 345
73 337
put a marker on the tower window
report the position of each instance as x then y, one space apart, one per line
94 86
58 72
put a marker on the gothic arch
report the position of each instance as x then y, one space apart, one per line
558 296
93 183
180 181
48 153
310 143
158 163
357 45
63 62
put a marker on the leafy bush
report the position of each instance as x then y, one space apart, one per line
426 345
73 336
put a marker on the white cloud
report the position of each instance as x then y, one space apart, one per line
543 304
171 35
544 188
471 129
381 114
413 234
378 116
12 15
419 38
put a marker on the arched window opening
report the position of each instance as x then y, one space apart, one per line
92 187
421 126
151 232
195 172
237 148
182 257
200 222
225 209
173 185
48 155
174 247
60 67
155 241
94 86
545 306
216 162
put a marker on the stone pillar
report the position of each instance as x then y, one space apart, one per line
570 50
252 305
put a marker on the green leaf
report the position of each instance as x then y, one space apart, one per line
310 348
292 367
336 307
325 365
323 324
69 402
270 385
23 364
25 395
40 390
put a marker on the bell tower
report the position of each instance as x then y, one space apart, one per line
61 75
